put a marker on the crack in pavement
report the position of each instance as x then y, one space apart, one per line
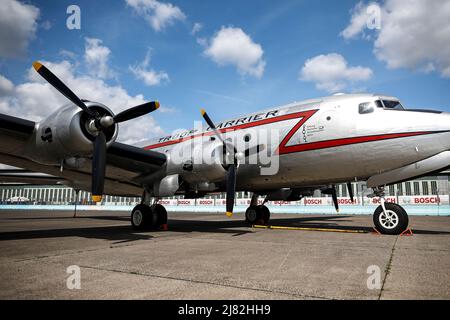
388 268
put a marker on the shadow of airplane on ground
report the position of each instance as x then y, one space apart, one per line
124 233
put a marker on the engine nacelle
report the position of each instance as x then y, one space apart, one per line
65 135
199 162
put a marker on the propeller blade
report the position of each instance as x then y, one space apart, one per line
350 190
334 197
60 86
136 112
212 126
231 189
98 167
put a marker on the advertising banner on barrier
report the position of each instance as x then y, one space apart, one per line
246 201
376 201
322 201
186 202
168 202
424 200
205 202
317 201
286 203
220 202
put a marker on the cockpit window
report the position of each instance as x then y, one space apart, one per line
379 104
393 105
365 107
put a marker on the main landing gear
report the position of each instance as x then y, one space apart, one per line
389 218
257 214
145 216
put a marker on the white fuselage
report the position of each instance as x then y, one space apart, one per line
328 140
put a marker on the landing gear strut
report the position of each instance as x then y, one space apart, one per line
389 218
257 213
145 216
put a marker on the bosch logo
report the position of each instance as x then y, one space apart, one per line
426 200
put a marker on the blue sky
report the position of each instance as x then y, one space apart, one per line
288 32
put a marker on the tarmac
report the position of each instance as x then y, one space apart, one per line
210 256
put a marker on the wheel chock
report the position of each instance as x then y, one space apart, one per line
407 233
164 227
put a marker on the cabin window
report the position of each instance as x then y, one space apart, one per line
365 107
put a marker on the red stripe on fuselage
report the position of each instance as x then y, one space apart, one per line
345 141
305 115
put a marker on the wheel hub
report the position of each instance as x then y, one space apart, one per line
137 218
251 215
389 219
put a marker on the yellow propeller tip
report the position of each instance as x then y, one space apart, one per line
157 104
202 111
96 198
229 214
37 65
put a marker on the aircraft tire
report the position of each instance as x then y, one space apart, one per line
161 214
265 214
395 222
141 217
253 214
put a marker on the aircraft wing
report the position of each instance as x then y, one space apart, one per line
126 164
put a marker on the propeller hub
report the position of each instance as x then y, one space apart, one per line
106 121
240 156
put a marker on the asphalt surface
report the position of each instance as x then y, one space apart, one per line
209 256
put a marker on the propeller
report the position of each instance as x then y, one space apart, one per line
334 197
332 191
231 168
350 191
231 189
97 125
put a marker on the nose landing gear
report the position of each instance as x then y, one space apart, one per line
389 218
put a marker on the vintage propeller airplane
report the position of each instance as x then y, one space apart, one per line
315 144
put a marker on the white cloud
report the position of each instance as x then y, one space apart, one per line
35 99
358 22
6 86
331 72
96 56
46 25
414 34
158 14
232 46
18 24
149 76
196 28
